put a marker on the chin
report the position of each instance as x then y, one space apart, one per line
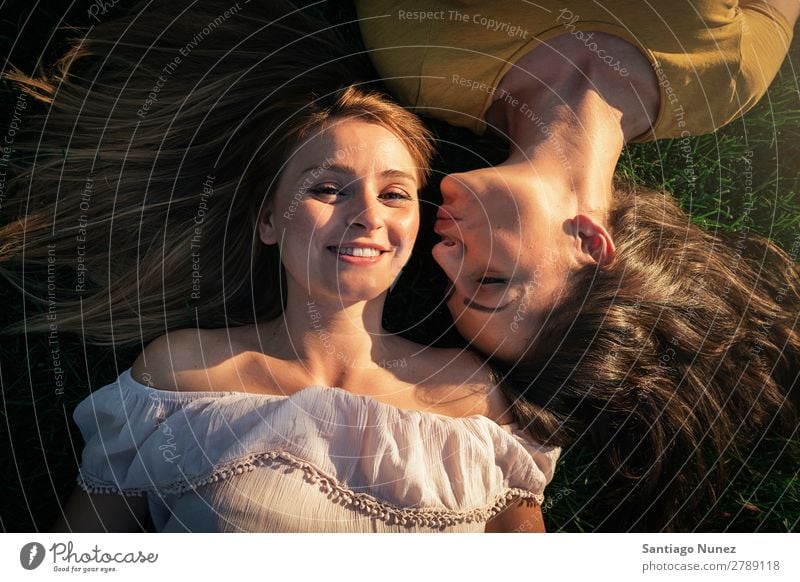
355 291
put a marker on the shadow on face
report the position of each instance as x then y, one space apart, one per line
507 248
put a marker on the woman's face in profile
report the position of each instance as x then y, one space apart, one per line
345 212
506 250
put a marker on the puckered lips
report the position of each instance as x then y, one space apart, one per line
445 220
359 253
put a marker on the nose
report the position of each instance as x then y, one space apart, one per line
450 257
456 190
366 211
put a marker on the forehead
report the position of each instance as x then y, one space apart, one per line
367 146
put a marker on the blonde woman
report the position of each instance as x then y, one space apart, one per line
277 214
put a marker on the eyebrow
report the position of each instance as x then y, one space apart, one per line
472 305
343 169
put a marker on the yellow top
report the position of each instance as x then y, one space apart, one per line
713 59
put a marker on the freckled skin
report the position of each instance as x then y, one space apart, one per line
305 222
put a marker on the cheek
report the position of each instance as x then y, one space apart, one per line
488 333
309 222
469 323
301 231
409 226
472 327
500 210
404 233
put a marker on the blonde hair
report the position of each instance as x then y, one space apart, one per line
160 146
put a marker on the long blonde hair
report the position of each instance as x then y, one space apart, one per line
161 143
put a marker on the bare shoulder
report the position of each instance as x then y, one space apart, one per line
180 360
468 374
462 365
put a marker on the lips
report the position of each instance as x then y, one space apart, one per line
358 252
445 220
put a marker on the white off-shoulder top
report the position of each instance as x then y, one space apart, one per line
321 460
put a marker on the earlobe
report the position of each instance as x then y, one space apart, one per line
596 242
266 227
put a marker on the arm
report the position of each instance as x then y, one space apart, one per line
103 512
114 512
767 33
522 516
588 108
790 9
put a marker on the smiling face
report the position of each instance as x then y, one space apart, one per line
345 212
509 243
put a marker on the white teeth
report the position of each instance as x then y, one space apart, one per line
358 251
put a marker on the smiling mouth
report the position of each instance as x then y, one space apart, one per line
357 251
358 254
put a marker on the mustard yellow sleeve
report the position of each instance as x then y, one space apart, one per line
766 36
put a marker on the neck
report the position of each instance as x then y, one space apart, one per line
333 341
562 105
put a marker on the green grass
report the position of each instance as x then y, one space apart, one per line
41 458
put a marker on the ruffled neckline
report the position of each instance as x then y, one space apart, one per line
127 376
141 439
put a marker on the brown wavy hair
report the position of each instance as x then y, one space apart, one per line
683 349
165 133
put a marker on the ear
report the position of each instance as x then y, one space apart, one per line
596 242
267 231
